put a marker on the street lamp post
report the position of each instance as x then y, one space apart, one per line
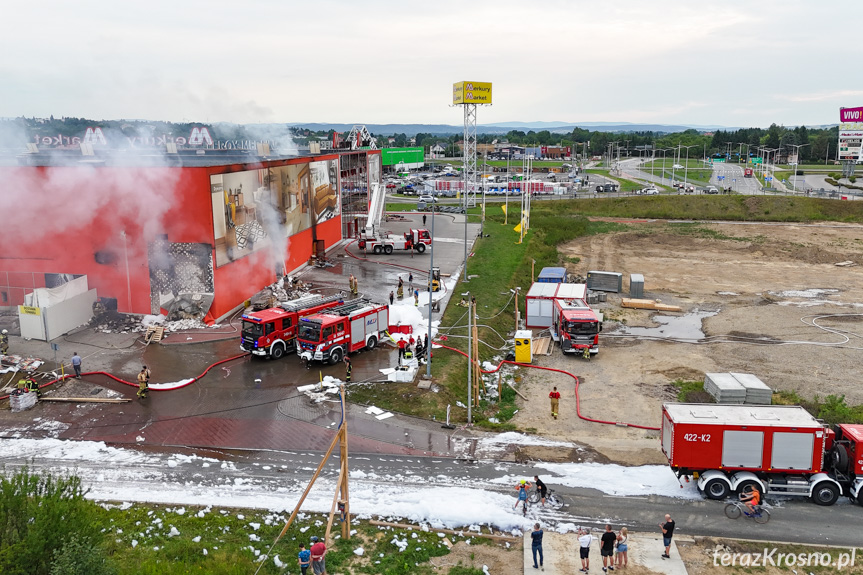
431 297
686 167
797 158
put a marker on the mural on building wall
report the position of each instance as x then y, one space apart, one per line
261 209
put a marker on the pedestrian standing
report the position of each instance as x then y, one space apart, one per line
392 297
402 345
620 558
411 281
417 298
424 219
319 552
667 532
536 545
554 395
143 383
584 541
305 558
606 549
76 364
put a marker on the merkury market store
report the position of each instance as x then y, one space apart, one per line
149 229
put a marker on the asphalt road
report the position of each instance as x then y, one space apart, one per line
271 473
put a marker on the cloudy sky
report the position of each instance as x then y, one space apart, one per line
731 63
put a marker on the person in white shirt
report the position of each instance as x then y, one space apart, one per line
584 541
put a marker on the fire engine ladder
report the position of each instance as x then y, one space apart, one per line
349 307
309 301
376 209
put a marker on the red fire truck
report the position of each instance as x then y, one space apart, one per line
747 172
416 240
329 335
271 332
777 449
575 326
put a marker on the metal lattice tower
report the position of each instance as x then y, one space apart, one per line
469 169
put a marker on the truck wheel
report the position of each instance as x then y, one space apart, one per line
388 249
336 356
421 248
825 493
377 249
839 457
716 489
277 351
373 341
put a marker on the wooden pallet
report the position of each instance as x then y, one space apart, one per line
155 333
542 346
647 304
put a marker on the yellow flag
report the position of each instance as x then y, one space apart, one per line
503 207
517 228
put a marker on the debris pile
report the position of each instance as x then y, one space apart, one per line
284 289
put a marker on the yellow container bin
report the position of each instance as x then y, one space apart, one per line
523 346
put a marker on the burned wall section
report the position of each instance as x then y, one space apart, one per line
181 278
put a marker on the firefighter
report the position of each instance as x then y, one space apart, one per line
409 355
587 353
416 298
400 292
143 383
4 342
348 369
33 386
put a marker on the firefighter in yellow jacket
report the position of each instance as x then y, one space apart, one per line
143 382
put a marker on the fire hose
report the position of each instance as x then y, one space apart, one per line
577 383
123 381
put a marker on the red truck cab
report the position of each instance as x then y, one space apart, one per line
272 332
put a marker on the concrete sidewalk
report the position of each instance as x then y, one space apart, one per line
561 554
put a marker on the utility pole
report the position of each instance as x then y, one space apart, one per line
431 298
469 354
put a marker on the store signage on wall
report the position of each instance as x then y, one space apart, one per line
199 136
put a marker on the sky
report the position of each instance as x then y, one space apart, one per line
730 63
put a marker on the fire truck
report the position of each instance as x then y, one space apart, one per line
272 332
386 244
777 449
333 333
372 239
747 172
575 326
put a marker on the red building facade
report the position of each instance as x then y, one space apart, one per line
155 233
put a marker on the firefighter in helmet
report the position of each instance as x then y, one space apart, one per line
27 383
348 369
4 342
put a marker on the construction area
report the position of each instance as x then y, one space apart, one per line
774 300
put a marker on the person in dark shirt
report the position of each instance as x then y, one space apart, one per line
540 486
536 545
667 532
606 549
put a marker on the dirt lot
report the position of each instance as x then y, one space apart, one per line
761 282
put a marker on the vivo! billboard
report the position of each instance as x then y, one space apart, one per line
851 114
850 135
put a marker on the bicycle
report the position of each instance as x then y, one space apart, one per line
735 509
551 500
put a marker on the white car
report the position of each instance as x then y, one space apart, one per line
427 199
676 167
650 192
